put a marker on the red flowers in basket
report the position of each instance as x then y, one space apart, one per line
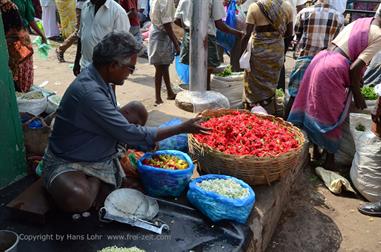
247 134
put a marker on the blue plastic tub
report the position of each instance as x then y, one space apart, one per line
160 182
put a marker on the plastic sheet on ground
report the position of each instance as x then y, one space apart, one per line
333 181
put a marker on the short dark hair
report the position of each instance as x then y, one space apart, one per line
115 47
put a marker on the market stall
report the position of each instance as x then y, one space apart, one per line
212 201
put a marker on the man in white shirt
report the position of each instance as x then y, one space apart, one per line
163 45
216 14
98 18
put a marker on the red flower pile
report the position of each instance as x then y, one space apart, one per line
247 134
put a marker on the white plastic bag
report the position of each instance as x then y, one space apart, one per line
366 166
244 61
32 106
53 103
259 110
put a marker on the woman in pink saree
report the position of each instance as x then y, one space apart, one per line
331 80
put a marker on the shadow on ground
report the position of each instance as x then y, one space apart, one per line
303 227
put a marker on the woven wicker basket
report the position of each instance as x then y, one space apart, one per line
253 170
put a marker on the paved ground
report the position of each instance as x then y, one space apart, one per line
315 219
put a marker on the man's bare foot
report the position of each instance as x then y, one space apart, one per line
171 96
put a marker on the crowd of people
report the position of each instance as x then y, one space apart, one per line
328 73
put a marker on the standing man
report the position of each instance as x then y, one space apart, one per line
98 18
315 28
216 14
163 45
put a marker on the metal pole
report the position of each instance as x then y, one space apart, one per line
198 51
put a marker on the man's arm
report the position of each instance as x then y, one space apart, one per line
227 29
102 112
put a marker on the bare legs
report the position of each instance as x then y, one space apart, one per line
75 191
162 73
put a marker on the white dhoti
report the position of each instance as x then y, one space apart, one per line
49 21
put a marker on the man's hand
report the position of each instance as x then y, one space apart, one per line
76 69
192 126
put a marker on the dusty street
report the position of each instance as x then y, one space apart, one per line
315 219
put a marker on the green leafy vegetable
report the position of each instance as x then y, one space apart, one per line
279 92
227 72
369 93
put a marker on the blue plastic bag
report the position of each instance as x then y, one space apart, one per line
177 142
227 40
182 71
217 207
160 182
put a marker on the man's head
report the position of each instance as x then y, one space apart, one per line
116 56
135 113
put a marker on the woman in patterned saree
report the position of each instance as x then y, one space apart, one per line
268 22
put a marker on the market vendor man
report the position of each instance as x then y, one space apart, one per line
81 164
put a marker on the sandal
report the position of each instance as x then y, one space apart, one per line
60 56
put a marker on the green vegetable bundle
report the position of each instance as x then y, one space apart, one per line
279 93
227 71
369 93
